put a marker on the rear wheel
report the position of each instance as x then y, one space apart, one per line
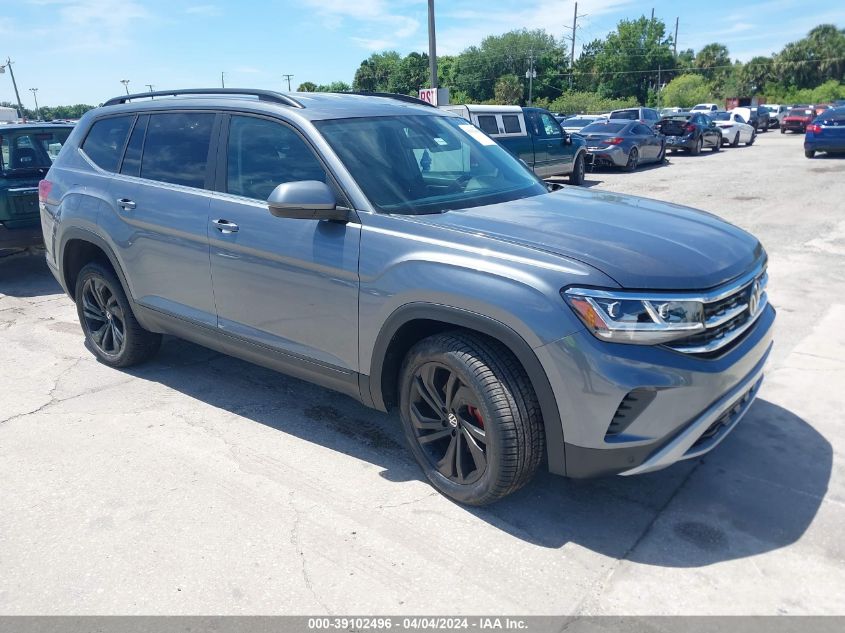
696 150
810 153
752 139
782 131
577 175
110 327
735 142
633 160
470 416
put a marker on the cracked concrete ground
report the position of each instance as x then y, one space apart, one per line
200 484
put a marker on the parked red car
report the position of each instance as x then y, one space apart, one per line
797 119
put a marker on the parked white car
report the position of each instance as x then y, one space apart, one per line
734 128
574 124
707 108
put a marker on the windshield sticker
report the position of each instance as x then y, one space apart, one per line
477 134
440 141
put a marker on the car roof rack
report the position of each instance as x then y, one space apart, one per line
263 95
390 95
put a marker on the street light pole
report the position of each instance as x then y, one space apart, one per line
432 46
8 65
222 79
34 92
125 83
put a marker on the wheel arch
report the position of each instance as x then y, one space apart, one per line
414 322
79 247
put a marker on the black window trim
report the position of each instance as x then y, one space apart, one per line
81 146
220 178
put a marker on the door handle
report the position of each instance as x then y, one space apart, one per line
224 226
126 204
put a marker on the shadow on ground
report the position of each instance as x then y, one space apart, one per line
25 274
759 491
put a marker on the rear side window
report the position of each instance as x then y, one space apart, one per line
105 141
263 154
511 123
132 159
488 124
176 148
630 115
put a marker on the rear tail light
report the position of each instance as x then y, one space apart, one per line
815 129
44 188
690 128
616 140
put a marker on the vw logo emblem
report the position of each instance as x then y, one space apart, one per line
453 420
754 299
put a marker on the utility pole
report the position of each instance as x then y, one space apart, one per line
572 54
659 85
432 47
288 77
222 79
125 83
675 41
575 17
150 86
34 92
8 65
529 75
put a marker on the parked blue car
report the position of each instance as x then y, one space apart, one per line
826 133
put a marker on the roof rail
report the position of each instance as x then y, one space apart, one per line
391 95
263 95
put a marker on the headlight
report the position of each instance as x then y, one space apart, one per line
621 317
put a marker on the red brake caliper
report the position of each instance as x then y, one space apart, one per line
474 412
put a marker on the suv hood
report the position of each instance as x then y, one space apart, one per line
640 243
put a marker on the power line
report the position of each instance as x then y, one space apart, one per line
288 77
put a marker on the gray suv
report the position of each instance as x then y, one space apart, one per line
395 253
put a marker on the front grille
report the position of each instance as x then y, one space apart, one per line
726 420
727 317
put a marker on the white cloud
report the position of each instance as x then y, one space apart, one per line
207 10
376 24
105 23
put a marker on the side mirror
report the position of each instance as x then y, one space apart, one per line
306 200
567 139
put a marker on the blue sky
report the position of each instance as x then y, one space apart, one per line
77 51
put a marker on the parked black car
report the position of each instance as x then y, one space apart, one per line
690 132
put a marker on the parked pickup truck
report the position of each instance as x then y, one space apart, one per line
533 135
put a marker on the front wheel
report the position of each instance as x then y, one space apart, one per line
717 146
782 131
577 176
752 139
470 416
633 160
110 327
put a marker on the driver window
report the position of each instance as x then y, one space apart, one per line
263 154
548 126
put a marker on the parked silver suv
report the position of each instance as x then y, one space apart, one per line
397 254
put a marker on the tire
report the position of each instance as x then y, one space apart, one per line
695 151
782 131
753 138
110 327
492 399
661 157
810 153
577 176
735 142
717 146
633 160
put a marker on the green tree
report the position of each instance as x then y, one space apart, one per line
714 62
411 74
630 56
308 86
374 73
508 90
685 91
817 58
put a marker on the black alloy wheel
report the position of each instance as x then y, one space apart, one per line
633 160
448 424
103 318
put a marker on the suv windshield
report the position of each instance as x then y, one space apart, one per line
27 150
427 164
720 116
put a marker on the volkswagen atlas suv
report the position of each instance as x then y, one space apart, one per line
394 252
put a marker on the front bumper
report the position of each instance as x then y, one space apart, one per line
613 156
686 396
23 237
